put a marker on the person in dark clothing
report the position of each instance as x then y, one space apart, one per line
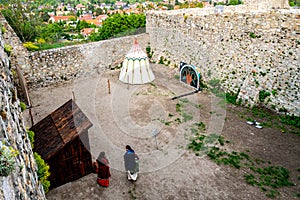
131 163
101 167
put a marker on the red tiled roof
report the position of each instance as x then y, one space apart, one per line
87 31
61 18
85 17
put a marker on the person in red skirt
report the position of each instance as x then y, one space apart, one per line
101 167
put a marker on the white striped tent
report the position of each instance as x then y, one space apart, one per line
136 67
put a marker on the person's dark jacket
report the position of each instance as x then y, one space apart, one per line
130 160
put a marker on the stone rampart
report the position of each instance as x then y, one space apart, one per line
22 182
250 51
56 65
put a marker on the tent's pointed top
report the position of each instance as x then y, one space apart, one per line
135 41
136 51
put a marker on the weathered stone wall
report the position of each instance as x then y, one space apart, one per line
23 182
268 3
247 50
56 65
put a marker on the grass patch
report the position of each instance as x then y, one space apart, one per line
186 117
231 97
178 107
269 178
290 120
271 119
263 95
184 100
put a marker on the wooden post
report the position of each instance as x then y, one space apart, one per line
108 85
127 82
73 95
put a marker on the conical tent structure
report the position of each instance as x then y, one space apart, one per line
136 68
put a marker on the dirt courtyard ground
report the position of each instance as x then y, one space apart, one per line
129 114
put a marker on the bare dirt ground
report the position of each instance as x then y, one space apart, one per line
129 114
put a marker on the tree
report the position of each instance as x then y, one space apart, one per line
233 2
82 24
23 18
99 11
294 2
51 32
44 15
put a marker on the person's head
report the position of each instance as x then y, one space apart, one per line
128 147
101 155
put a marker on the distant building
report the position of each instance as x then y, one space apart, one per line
85 32
86 17
61 18
80 7
120 4
101 18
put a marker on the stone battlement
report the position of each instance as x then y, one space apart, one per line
248 51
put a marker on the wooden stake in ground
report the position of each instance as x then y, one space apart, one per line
127 82
108 85
73 95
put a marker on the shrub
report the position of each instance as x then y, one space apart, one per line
263 95
43 172
231 97
30 46
3 30
41 41
8 49
252 35
23 106
161 60
185 17
31 138
149 52
7 159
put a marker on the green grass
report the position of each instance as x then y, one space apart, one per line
273 120
290 120
269 178
186 117
263 95
184 100
178 107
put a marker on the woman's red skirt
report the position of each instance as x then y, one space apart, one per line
103 182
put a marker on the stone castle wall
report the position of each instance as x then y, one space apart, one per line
249 51
56 65
23 182
268 3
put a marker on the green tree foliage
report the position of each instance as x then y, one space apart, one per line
99 11
117 24
233 2
294 2
44 15
82 24
23 18
51 32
